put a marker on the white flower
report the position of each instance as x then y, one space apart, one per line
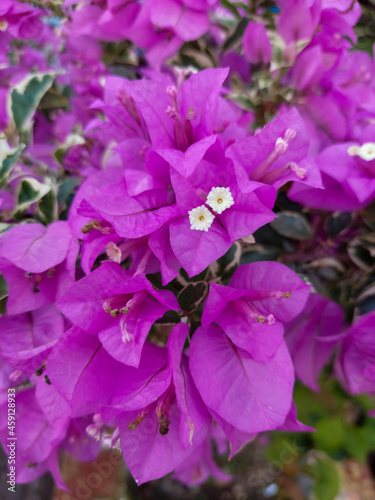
219 199
200 218
367 151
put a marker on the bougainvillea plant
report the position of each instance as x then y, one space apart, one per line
187 225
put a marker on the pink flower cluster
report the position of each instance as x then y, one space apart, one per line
121 327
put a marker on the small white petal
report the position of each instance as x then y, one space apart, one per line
200 218
219 199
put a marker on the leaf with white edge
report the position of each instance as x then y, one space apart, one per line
169 318
70 141
259 252
47 207
361 250
4 226
26 96
238 33
338 223
30 191
192 295
4 292
366 299
66 190
292 225
8 159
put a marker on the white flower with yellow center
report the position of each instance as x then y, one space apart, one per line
219 199
3 25
366 151
200 218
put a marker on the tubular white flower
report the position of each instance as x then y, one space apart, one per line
113 252
200 218
219 199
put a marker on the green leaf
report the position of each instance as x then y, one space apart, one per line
366 305
169 317
366 299
238 33
327 482
26 96
4 292
4 226
59 155
292 225
329 434
232 8
70 141
242 100
53 100
229 261
3 306
30 191
191 296
258 253
66 190
338 222
47 207
359 441
285 448
199 277
362 251
368 215
309 408
8 161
